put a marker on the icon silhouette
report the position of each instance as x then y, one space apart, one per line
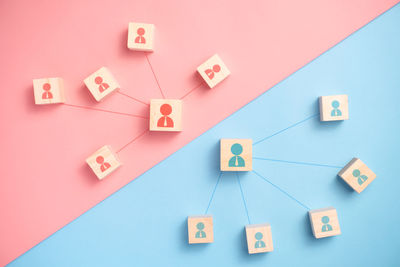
326 227
47 94
360 178
103 165
211 72
336 111
200 233
140 39
165 121
102 86
236 161
259 243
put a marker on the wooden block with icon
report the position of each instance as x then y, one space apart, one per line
357 175
324 222
334 108
236 154
200 229
103 162
259 238
213 71
166 115
141 36
101 84
48 91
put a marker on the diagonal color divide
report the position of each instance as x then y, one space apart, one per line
54 186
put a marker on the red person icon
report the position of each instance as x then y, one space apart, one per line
103 165
210 72
47 94
165 121
140 39
102 86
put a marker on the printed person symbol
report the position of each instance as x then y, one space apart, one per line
200 233
360 178
336 111
236 161
326 227
140 39
259 243
47 94
210 72
103 165
102 86
165 121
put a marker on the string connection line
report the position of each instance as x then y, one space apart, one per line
300 163
133 140
154 74
213 192
104 110
287 128
283 191
131 97
191 90
244 200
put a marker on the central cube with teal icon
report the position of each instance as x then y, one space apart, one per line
236 154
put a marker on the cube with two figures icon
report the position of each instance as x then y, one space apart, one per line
213 71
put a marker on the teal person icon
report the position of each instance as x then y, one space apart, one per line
326 227
200 233
236 161
361 178
336 111
259 242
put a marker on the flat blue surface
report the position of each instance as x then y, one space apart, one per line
144 224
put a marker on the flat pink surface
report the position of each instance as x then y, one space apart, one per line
45 182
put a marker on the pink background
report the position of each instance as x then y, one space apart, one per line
45 182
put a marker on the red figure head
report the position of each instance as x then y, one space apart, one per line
98 80
216 68
99 159
140 31
46 87
166 109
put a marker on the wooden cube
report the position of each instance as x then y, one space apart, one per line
103 162
259 238
48 91
101 84
213 71
200 229
334 108
324 222
236 154
357 175
141 36
166 115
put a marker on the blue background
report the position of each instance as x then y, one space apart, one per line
144 223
